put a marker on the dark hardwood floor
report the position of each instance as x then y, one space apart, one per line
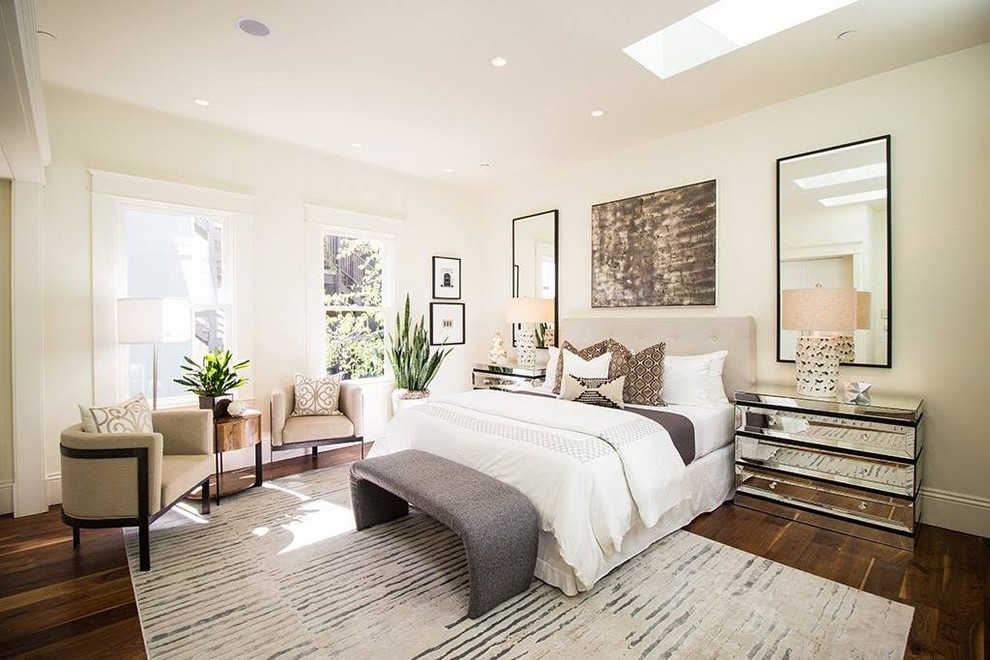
57 602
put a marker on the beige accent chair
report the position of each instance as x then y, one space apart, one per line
131 479
314 431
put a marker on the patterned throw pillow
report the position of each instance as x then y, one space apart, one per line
131 416
592 351
605 392
317 396
643 372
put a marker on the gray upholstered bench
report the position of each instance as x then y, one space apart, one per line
498 525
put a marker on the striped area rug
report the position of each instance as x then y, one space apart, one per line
280 572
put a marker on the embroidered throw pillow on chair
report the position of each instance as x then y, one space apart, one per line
316 396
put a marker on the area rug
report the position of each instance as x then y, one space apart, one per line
280 572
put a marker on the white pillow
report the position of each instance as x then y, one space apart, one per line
694 380
554 355
131 416
575 365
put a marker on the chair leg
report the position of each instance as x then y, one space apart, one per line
145 545
75 537
204 504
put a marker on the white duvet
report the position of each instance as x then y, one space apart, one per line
591 472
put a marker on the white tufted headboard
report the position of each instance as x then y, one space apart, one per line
683 336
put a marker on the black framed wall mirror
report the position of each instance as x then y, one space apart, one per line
833 234
534 268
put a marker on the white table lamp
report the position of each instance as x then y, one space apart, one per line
817 356
153 321
526 311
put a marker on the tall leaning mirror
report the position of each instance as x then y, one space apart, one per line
833 238
534 269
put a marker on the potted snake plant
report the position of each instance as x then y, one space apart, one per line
212 379
413 365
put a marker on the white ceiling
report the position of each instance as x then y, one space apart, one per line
412 82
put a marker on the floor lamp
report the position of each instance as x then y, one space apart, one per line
153 321
525 312
817 356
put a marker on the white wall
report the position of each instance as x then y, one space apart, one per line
936 112
90 132
6 401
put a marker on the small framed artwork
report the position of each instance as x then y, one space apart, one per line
447 278
446 324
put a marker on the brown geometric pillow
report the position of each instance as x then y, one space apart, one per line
643 372
592 351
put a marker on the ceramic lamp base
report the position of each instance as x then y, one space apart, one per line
526 346
817 361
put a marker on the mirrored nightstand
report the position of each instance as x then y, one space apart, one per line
506 376
849 467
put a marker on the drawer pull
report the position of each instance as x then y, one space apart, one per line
773 485
862 506
864 436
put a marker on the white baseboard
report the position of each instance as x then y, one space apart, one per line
6 497
963 513
53 488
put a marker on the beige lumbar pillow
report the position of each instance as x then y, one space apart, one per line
605 392
316 396
131 416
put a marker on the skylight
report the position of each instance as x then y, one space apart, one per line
721 28
874 171
855 198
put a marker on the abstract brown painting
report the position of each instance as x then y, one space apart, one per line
655 250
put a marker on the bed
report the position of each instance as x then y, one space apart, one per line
607 483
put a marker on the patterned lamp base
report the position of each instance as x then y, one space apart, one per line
526 346
817 361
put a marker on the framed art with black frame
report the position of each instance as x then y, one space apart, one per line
446 324
447 278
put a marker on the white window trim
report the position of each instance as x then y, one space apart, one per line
112 193
320 222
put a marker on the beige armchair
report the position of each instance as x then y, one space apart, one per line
314 431
131 479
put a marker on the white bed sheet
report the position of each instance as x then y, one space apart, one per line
710 481
714 424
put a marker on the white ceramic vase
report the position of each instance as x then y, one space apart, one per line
402 399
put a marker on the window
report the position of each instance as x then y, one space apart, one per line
170 253
154 238
354 305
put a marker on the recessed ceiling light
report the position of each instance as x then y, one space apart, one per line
448 170
874 171
842 200
597 113
202 102
721 28
46 33
499 61
356 145
253 26
848 35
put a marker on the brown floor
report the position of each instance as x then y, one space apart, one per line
56 602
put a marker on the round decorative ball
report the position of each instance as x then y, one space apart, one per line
236 408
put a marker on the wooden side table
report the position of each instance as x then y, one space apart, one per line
236 433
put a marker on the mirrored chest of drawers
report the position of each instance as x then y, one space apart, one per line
506 376
849 467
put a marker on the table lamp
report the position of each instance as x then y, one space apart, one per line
527 311
847 343
153 321
813 311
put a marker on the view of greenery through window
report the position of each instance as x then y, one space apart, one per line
355 316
